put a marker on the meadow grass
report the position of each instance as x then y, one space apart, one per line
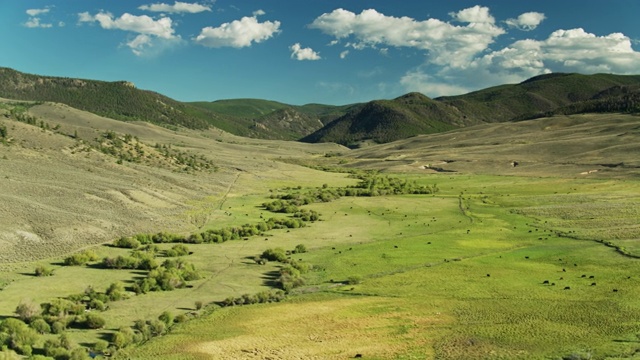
454 275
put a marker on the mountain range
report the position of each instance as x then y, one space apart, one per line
377 121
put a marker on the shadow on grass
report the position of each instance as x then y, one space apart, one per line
270 278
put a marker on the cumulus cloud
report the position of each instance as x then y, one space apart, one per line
35 21
36 12
573 50
443 41
151 34
344 54
177 7
140 24
527 21
299 53
238 33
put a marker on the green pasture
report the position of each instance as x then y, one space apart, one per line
476 270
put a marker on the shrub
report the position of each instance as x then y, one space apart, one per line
299 249
276 254
18 336
127 243
199 305
353 280
40 326
116 292
166 317
28 310
94 321
81 258
100 346
42 270
122 338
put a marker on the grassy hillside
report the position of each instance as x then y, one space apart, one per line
389 120
413 114
535 96
495 261
119 100
270 119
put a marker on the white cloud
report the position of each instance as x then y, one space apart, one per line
258 13
572 50
85 17
299 53
177 7
34 22
444 42
344 54
152 37
140 24
477 14
527 21
238 33
139 43
417 80
36 12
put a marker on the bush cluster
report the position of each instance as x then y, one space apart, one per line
259 298
81 258
172 274
291 271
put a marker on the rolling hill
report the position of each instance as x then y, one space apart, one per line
378 121
414 114
121 100
266 119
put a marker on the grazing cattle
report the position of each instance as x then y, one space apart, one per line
592 277
561 278
395 246
593 284
583 275
546 282
575 264
553 284
567 287
615 290
358 356
526 257
488 275
564 270
429 243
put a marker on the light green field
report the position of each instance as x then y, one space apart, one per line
441 283
454 275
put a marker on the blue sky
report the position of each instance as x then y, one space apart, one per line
317 51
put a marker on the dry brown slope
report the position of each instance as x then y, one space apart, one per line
56 199
557 146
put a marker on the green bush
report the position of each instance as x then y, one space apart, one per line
127 243
94 321
42 270
40 326
81 258
276 254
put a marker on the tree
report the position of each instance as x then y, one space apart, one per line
41 326
94 321
18 336
42 270
166 317
27 310
299 249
